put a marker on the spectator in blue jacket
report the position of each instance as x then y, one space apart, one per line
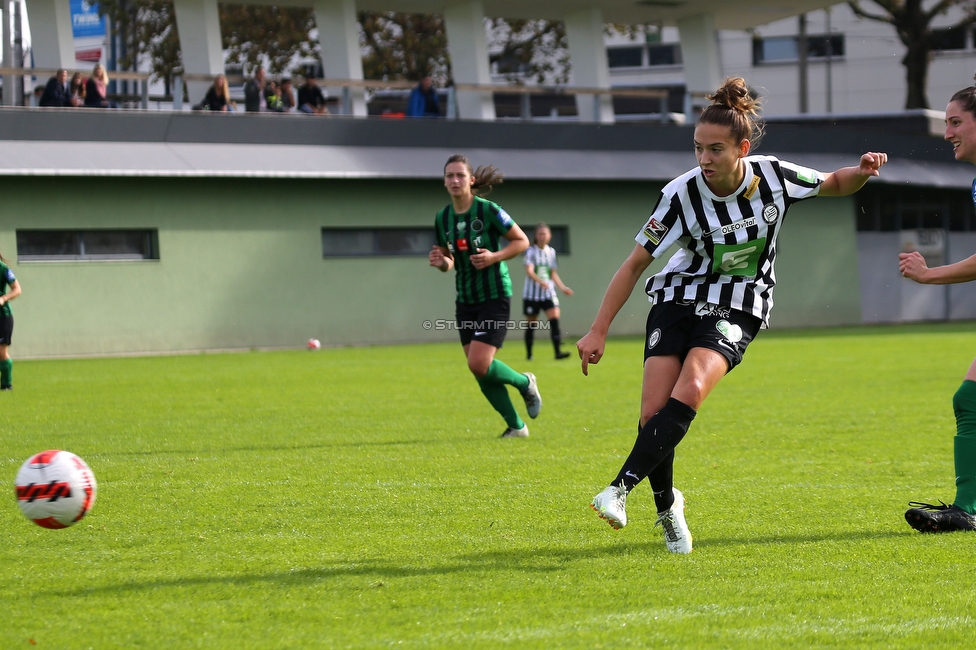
423 100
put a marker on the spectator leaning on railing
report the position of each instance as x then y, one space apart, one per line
311 100
218 96
77 90
96 89
252 91
56 92
423 100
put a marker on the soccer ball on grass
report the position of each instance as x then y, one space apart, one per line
55 488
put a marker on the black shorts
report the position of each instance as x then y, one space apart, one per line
486 322
673 328
6 329
536 307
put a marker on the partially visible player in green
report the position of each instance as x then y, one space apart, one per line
9 289
927 518
474 237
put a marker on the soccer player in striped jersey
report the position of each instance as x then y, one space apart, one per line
715 293
474 237
539 292
961 132
9 289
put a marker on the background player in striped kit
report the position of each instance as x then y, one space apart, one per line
470 232
961 132
539 293
714 294
7 279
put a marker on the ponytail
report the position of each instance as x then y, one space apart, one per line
485 176
736 106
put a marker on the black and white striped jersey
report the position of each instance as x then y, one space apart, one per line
544 262
727 244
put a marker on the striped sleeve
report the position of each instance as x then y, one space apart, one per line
665 225
800 182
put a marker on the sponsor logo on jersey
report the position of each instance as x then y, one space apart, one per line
732 333
739 225
506 220
461 227
738 259
807 175
654 339
753 186
770 213
655 231
462 244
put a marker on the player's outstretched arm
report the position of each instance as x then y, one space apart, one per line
848 180
912 266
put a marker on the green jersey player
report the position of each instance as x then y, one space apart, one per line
924 517
474 237
9 289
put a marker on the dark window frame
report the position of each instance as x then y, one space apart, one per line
560 240
71 244
816 48
380 240
892 208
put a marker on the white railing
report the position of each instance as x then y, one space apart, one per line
345 86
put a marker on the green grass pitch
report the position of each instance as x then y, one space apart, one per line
361 498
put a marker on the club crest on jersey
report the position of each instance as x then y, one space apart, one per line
770 213
655 231
654 339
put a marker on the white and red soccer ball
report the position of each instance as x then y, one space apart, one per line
55 488
313 344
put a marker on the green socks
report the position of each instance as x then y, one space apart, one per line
493 387
497 395
6 373
499 373
964 405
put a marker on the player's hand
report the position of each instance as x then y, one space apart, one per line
871 162
483 258
590 349
436 257
912 265
567 291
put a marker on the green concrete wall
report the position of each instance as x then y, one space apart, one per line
241 263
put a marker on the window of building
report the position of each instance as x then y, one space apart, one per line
376 242
786 49
560 237
663 54
949 39
625 57
890 208
67 245
633 56
392 242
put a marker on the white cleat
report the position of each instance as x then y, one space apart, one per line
610 505
533 400
516 433
677 537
